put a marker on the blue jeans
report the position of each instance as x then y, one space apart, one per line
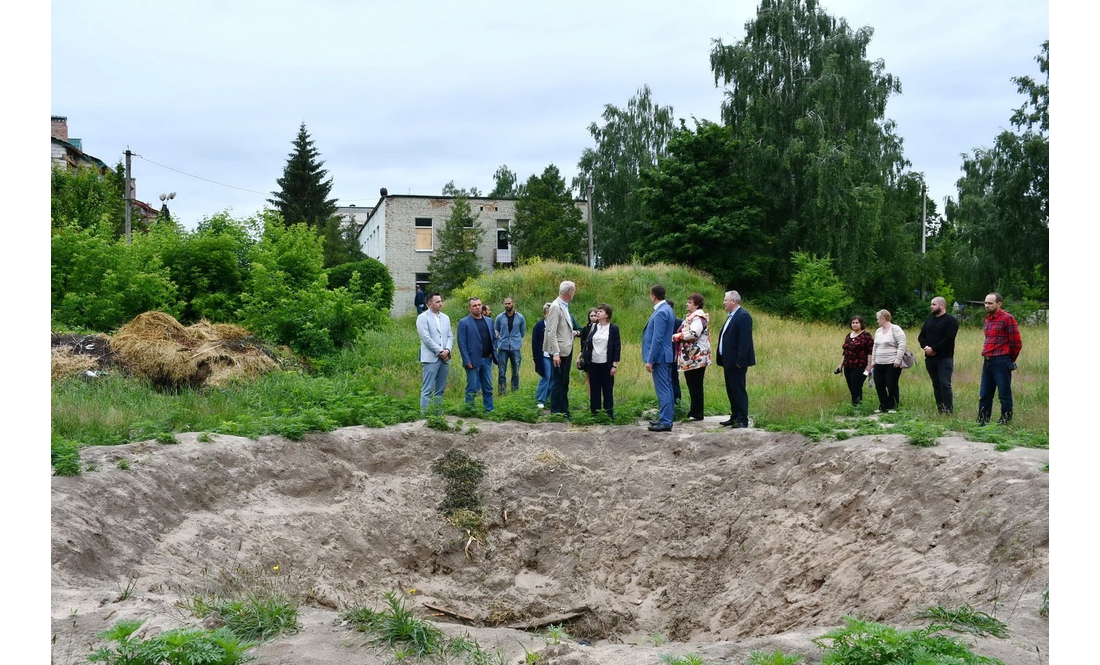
480 377
433 384
546 381
996 377
503 356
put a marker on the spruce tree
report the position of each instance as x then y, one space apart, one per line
303 191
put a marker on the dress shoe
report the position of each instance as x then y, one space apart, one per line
655 423
695 418
739 426
660 428
727 423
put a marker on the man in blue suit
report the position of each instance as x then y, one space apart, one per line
736 356
657 355
475 343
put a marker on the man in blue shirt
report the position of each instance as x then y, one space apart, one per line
509 327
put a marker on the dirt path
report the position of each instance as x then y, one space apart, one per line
720 542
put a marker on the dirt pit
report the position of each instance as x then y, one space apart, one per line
703 540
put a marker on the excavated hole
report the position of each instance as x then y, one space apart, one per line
700 535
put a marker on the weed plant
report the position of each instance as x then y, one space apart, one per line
1044 606
861 642
257 603
64 456
966 619
376 381
182 646
777 657
555 634
689 659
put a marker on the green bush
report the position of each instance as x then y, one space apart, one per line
375 285
210 268
64 456
816 291
99 283
862 642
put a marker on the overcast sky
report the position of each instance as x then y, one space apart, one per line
410 95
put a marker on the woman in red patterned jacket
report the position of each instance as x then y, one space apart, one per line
857 352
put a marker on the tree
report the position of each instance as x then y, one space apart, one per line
341 241
701 211
85 198
548 223
630 140
450 190
1000 223
455 258
303 191
505 183
816 292
810 108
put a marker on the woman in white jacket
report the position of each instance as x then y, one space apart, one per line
886 359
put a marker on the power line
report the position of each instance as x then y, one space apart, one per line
222 184
189 175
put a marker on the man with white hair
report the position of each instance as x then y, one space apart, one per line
937 338
735 356
558 344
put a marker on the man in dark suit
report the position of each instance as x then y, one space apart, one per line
736 356
475 343
657 355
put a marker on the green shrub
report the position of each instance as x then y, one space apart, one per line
375 286
775 658
182 646
862 642
816 291
64 456
210 267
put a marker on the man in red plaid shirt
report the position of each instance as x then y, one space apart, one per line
1002 347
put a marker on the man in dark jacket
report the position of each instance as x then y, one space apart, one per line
937 338
475 343
736 355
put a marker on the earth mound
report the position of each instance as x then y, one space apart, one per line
720 542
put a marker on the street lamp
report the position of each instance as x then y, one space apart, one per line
165 198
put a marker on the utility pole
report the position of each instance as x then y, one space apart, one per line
129 189
923 219
588 210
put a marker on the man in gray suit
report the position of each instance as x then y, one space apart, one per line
558 343
436 341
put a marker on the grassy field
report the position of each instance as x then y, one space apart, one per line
377 381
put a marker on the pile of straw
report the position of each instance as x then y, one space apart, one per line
156 347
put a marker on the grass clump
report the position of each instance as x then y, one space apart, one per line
462 505
257 603
182 646
1044 606
688 659
861 642
405 635
921 434
775 658
966 619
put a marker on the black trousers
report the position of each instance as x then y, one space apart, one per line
601 388
855 378
940 371
559 391
738 396
694 380
886 384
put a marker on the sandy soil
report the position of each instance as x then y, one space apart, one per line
722 541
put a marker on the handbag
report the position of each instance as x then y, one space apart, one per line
908 359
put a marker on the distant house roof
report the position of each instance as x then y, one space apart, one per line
66 154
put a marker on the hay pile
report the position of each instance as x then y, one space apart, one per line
80 355
156 347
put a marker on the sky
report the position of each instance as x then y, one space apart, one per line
411 95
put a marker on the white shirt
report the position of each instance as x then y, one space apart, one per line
599 340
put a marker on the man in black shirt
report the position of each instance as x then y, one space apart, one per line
937 338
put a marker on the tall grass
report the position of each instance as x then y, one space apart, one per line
377 381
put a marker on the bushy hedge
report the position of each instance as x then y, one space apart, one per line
375 285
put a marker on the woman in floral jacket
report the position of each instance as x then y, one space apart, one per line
857 353
693 352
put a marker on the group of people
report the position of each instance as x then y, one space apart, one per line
671 346
881 357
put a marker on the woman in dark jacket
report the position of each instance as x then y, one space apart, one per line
601 357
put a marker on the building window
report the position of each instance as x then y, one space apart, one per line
422 281
424 237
